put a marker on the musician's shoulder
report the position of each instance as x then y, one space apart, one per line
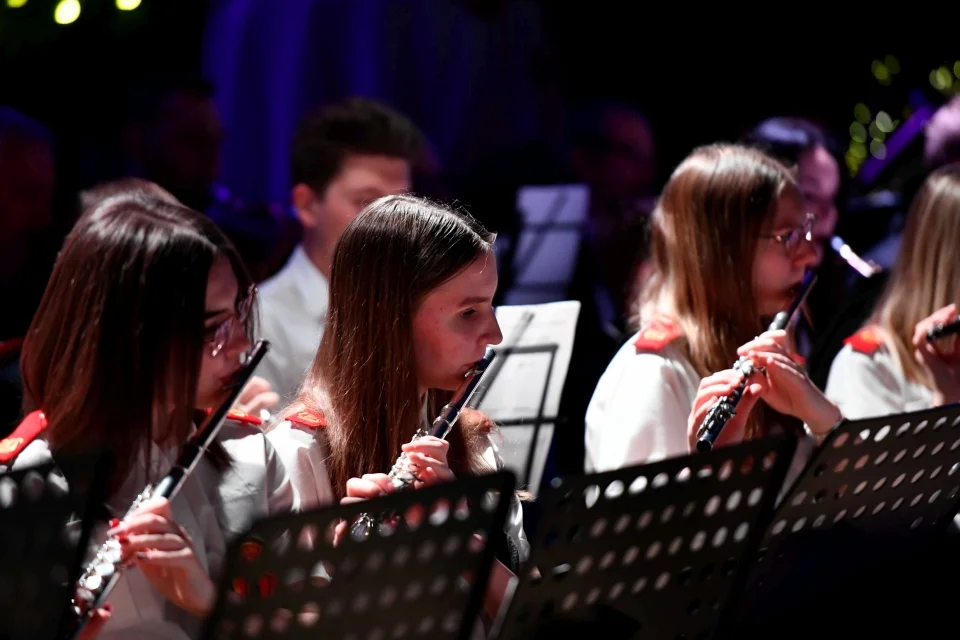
656 335
867 340
26 432
307 418
243 418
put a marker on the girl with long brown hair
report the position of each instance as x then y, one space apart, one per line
889 366
411 291
730 244
140 330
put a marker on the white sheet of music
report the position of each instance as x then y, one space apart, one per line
516 391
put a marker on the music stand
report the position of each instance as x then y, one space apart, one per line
874 494
44 532
285 579
652 550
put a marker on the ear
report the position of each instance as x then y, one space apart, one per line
306 204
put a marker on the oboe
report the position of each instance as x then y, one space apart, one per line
101 575
725 408
400 474
943 329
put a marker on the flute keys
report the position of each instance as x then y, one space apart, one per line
111 552
92 582
105 569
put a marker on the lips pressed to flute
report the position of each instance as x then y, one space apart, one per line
725 408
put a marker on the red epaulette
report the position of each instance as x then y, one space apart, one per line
27 432
657 334
243 417
308 418
867 340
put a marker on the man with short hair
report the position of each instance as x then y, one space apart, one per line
344 156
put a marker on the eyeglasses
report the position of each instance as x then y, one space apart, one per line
224 331
791 239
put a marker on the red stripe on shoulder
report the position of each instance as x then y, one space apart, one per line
24 434
866 341
656 335
243 417
308 418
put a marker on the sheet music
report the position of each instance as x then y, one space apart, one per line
549 241
518 387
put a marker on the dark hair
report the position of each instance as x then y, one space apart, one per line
786 139
119 333
146 97
586 125
356 126
394 253
96 194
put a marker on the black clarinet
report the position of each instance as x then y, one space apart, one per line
725 408
943 329
401 476
102 574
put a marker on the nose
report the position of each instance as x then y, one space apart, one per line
493 334
238 342
808 254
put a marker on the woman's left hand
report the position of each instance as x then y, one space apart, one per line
429 457
150 539
789 390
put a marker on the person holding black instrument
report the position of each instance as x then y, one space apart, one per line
899 362
411 290
731 245
141 330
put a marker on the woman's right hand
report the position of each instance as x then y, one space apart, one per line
712 389
940 357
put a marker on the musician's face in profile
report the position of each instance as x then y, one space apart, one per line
217 370
783 255
454 324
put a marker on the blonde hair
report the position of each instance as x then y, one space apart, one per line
926 275
704 235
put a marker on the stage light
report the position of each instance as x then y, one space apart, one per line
956 68
940 79
16 4
127 5
862 113
884 122
880 72
892 64
67 11
878 150
857 132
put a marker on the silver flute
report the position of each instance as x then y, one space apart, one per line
101 575
858 264
401 475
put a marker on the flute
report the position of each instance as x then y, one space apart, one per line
102 574
943 329
725 408
400 474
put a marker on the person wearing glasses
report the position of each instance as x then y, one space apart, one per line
142 329
730 247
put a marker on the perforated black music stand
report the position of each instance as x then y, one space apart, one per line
285 578
650 551
44 530
875 495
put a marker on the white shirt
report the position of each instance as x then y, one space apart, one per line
293 312
212 508
873 385
304 455
639 410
